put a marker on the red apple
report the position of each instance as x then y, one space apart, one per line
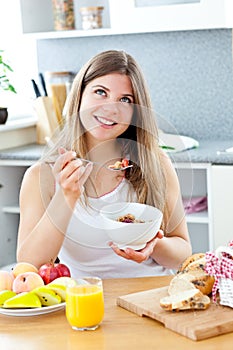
51 271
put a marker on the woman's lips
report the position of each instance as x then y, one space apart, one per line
104 121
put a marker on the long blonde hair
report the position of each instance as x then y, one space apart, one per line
146 177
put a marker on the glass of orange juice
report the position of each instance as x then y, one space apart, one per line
85 304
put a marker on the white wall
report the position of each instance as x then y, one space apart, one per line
21 54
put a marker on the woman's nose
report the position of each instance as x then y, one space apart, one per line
111 107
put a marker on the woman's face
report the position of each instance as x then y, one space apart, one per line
106 108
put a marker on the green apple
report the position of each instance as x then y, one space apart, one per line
60 284
64 281
6 294
23 300
58 289
48 297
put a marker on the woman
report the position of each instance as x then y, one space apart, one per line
109 117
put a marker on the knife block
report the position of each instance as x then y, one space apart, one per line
47 122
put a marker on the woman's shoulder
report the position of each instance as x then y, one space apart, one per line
35 170
168 167
165 159
40 174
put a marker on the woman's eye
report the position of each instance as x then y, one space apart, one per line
126 99
100 92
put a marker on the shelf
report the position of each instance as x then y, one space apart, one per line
63 34
125 17
11 209
198 218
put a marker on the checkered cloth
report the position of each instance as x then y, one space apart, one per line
220 265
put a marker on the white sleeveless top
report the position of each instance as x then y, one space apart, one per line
85 248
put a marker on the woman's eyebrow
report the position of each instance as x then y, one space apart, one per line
100 86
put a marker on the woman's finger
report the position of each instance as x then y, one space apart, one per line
141 255
160 234
63 160
129 254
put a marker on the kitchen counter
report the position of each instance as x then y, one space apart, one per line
205 153
120 328
31 152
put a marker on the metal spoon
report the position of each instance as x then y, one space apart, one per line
102 166
51 144
105 166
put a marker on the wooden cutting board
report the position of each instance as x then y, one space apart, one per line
194 324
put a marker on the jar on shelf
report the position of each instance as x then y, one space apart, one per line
91 17
58 85
63 14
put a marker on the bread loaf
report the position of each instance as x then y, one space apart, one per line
179 285
191 259
193 270
190 287
201 304
181 301
201 281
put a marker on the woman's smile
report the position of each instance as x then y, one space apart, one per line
105 122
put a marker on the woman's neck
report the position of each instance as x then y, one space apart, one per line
104 151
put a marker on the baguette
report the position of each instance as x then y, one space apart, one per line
181 300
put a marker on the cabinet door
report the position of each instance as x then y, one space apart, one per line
169 15
194 182
10 182
222 197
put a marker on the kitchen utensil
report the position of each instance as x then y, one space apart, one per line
194 324
135 234
42 81
97 163
105 166
32 311
226 151
36 89
47 122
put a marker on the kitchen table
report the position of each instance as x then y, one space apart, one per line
120 328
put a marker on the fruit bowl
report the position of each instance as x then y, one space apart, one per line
134 234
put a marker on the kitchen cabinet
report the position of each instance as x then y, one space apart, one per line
222 196
170 15
195 180
132 16
11 174
208 229
33 10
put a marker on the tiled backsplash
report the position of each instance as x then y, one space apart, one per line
189 73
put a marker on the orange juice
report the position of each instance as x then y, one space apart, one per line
84 306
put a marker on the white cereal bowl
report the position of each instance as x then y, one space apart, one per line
133 235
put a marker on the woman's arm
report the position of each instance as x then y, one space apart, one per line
175 247
44 213
172 249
